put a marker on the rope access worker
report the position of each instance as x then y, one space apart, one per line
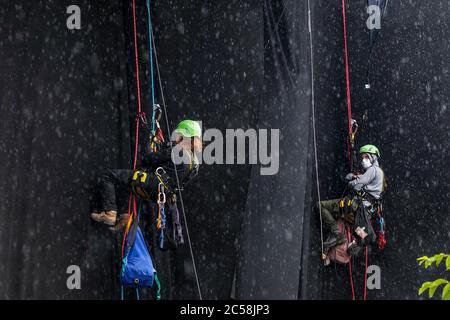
368 185
157 167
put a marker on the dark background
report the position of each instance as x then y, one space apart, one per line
67 109
408 118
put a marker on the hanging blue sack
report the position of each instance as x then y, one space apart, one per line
137 266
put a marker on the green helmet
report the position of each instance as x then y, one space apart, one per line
370 148
189 129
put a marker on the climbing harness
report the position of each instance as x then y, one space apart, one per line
346 207
376 215
141 185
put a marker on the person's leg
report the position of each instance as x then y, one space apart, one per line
151 187
111 180
330 212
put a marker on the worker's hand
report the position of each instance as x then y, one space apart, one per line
350 177
361 232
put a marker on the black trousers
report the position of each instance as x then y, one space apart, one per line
113 182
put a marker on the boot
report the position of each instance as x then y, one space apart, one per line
107 217
335 239
121 223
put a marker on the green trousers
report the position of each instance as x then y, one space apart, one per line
330 212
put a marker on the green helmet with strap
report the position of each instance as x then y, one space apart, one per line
189 129
370 148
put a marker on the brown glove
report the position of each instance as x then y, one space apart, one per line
350 218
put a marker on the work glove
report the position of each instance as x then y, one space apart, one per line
349 218
354 249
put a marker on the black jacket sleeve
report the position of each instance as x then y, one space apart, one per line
155 159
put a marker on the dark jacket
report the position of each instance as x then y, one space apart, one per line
152 160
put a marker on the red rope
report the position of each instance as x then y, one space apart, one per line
139 112
365 273
347 83
138 84
349 119
348 235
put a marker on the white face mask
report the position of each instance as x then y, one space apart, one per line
366 164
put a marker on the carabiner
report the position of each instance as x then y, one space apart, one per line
161 194
158 170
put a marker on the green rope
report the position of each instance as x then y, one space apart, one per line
158 287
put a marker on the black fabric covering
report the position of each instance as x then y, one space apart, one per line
64 117
67 110
270 244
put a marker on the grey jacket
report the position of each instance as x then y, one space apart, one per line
371 181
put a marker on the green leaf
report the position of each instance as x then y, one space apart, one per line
436 285
447 263
429 262
439 258
446 292
421 260
425 286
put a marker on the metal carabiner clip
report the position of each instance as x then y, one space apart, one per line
158 170
161 194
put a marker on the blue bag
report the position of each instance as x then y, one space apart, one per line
137 265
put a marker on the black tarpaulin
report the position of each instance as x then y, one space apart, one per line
270 244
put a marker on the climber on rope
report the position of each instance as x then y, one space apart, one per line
157 168
367 186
